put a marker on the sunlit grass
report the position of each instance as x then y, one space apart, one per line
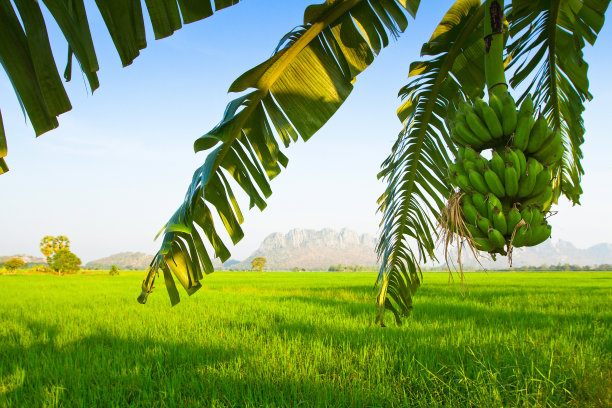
308 339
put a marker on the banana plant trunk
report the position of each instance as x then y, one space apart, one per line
494 47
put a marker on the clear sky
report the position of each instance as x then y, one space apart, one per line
119 164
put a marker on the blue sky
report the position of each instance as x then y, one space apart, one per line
120 162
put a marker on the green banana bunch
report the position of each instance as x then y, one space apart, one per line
507 196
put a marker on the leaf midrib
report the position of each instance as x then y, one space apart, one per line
279 66
448 61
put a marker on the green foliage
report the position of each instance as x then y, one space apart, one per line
516 340
27 59
14 263
259 263
349 268
47 246
546 49
114 271
290 95
50 245
64 261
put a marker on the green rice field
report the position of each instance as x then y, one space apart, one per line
308 340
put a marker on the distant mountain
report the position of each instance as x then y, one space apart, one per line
123 260
314 250
548 253
28 259
133 260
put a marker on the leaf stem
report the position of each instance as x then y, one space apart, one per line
494 46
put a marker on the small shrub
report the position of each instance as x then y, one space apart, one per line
114 271
13 264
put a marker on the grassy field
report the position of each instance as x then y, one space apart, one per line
306 339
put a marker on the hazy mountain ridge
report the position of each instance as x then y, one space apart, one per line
547 253
25 258
318 250
314 250
123 260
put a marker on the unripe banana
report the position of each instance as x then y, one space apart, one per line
539 134
470 154
528 180
466 199
542 199
462 181
499 221
492 199
469 165
496 104
513 218
460 154
522 162
470 213
526 108
480 203
483 244
457 140
537 217
494 183
466 134
475 232
478 182
478 127
521 134
543 179
483 224
496 238
522 236
490 119
498 166
552 150
454 169
511 157
509 114
478 107
511 179
526 214
539 234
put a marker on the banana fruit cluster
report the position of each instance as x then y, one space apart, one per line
505 198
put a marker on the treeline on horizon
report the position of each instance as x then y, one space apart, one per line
37 267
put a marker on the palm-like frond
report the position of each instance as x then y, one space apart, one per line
416 169
26 57
3 168
547 52
293 94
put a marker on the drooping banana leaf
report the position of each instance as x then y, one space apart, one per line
26 57
3 168
417 167
547 52
290 95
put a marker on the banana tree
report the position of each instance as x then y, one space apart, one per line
538 44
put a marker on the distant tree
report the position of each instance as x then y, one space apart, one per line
61 242
296 269
114 271
259 263
14 263
64 261
47 246
50 245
